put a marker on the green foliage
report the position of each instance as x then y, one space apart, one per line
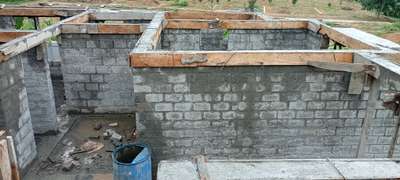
294 2
19 22
393 27
252 5
13 1
226 34
385 7
181 3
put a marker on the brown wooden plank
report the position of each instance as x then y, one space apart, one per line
236 24
29 41
188 14
229 58
5 166
343 38
93 28
39 12
6 36
120 28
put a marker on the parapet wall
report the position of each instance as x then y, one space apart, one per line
15 115
220 39
97 76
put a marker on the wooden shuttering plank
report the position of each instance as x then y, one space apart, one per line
29 41
93 28
6 36
38 12
235 24
230 58
344 39
5 166
187 14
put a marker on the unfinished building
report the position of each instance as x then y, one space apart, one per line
221 84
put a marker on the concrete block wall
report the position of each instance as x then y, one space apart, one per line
14 108
7 22
219 39
39 87
381 131
97 78
54 59
248 112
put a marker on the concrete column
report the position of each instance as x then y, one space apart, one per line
40 90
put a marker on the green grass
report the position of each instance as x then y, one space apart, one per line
14 1
394 27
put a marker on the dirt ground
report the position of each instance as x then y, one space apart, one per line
95 165
320 9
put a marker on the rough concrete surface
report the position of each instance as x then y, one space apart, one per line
282 169
92 165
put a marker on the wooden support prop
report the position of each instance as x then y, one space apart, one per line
13 159
39 11
93 28
235 24
234 58
343 38
186 14
29 41
201 167
370 69
5 166
6 36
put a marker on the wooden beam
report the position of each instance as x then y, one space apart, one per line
234 58
343 38
6 36
235 24
211 15
29 41
39 11
152 34
370 69
93 28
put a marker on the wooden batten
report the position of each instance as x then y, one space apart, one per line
235 24
343 38
211 15
93 28
29 41
6 36
232 58
39 11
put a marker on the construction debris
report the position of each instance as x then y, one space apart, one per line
113 124
98 126
91 146
114 135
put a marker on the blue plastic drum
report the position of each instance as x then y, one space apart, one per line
132 162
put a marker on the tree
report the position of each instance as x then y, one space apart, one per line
385 7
